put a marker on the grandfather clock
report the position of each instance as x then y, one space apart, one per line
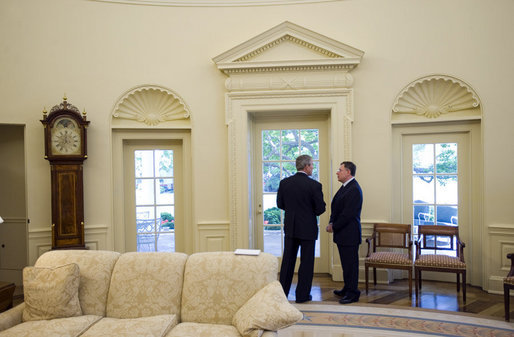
65 149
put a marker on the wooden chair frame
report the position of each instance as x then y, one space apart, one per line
507 287
441 231
375 242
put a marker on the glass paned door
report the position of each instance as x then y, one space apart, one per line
154 200
277 144
279 151
436 171
435 189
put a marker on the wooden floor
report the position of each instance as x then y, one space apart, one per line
434 295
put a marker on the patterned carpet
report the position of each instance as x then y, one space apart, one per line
363 321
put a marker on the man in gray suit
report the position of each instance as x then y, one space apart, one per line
302 200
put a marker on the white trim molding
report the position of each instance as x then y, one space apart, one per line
149 106
436 97
285 71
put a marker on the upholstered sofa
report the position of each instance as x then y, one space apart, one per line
104 293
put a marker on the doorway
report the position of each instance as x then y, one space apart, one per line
277 141
154 206
13 209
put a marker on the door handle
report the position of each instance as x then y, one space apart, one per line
259 209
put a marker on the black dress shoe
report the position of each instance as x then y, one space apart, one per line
305 300
348 300
339 293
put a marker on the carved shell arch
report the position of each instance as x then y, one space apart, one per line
435 95
151 105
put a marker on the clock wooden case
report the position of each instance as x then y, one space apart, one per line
65 134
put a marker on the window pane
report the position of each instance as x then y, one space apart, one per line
423 215
315 171
166 218
163 163
273 240
290 146
165 192
166 242
422 158
272 216
271 144
144 192
288 169
270 176
447 215
423 189
446 158
145 219
144 163
146 242
310 142
447 190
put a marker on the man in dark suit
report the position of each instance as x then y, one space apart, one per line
345 223
302 200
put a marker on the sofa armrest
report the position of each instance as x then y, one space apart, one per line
11 317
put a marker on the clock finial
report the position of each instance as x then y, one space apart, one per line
44 112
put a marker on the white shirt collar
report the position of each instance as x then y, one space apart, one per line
346 183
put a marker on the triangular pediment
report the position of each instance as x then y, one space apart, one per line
288 46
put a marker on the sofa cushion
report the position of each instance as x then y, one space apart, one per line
51 292
59 327
217 284
95 274
155 326
268 309
203 330
146 284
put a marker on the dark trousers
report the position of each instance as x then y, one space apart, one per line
349 256
306 269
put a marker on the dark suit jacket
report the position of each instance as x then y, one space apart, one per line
346 214
302 200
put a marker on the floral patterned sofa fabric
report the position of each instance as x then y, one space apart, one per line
155 326
95 274
59 327
217 284
146 284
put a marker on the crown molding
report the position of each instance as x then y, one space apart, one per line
213 3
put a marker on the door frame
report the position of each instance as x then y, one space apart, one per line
241 109
119 138
473 235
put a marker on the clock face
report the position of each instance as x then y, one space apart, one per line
65 137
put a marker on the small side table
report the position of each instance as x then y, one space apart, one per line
6 295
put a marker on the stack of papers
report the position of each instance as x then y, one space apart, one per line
247 251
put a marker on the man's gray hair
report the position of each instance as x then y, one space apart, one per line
302 161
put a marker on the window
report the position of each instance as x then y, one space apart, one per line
435 186
154 200
279 151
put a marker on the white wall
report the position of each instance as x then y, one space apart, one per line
95 51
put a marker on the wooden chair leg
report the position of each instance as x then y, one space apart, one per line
458 282
375 276
506 299
416 285
366 270
419 277
464 286
410 282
